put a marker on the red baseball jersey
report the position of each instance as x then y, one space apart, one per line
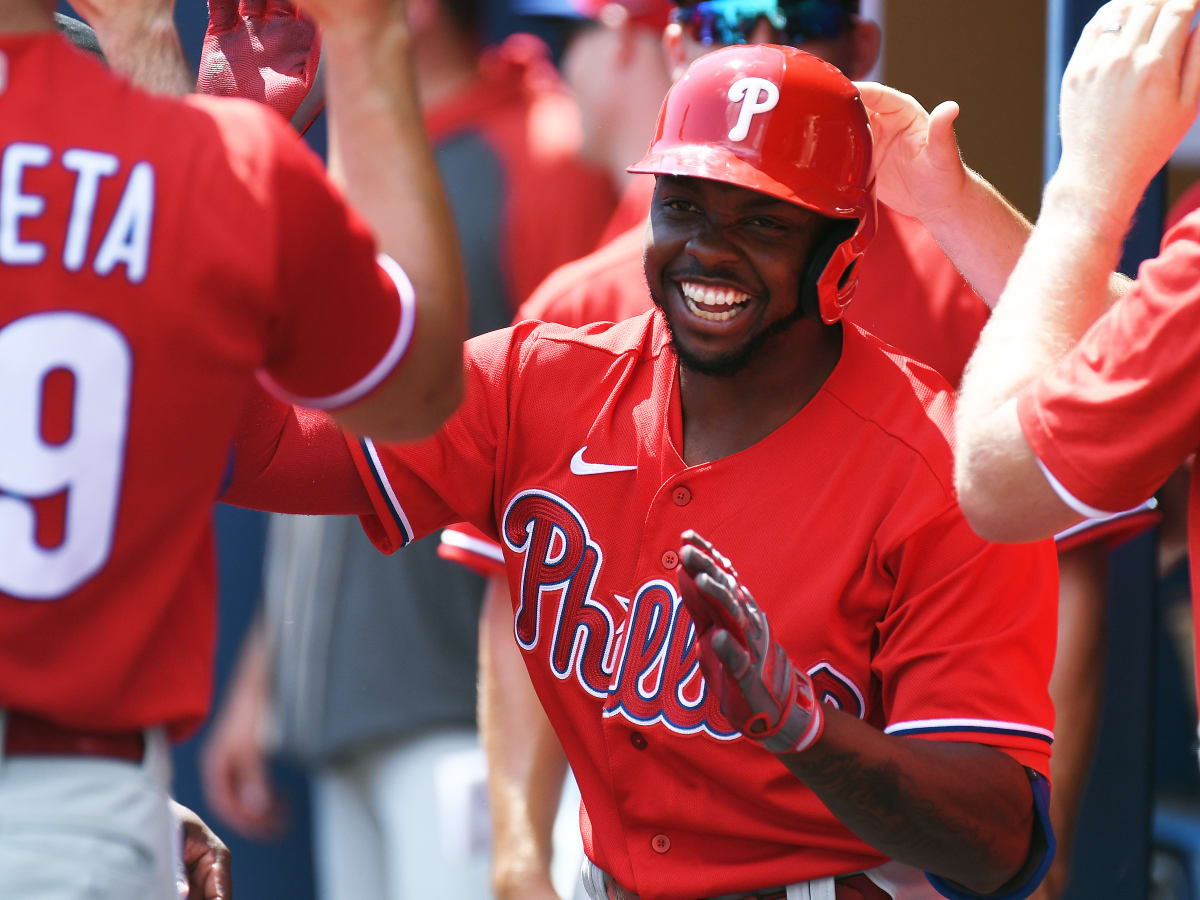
1121 411
155 255
568 450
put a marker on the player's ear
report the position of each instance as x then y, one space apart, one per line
673 50
866 39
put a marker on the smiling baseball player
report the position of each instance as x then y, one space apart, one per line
815 457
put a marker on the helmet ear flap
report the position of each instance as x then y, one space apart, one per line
820 289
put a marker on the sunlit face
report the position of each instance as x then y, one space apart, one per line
725 264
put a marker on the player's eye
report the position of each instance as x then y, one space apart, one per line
679 205
766 223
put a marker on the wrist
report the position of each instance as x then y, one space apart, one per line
1085 207
521 882
125 29
380 36
803 721
957 204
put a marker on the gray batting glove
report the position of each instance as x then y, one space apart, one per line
762 693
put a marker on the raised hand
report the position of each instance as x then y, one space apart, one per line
266 51
1129 94
918 170
761 691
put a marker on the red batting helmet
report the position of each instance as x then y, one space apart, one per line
781 122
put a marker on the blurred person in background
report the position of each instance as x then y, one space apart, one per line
363 667
613 63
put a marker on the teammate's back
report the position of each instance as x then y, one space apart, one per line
156 256
135 312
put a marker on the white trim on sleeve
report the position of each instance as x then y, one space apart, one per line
381 477
1070 499
387 364
486 549
1088 524
993 726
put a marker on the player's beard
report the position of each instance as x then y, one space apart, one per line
728 364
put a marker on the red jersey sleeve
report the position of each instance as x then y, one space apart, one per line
450 477
472 549
345 314
955 669
1121 410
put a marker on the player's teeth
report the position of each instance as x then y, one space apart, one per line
712 296
722 316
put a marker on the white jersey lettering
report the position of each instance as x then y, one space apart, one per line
88 464
15 206
90 166
128 238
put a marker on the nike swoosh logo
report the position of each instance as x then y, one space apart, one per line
579 467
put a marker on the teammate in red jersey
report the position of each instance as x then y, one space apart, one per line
1080 395
137 313
743 408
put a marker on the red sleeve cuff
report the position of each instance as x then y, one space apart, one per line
1113 530
469 548
387 528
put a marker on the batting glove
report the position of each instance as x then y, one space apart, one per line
762 693
265 51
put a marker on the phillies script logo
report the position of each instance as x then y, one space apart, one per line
650 674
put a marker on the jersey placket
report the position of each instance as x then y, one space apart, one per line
658 692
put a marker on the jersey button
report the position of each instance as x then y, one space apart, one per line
660 843
670 559
682 495
638 740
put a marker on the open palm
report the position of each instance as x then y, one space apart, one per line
268 52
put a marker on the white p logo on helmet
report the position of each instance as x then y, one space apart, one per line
757 95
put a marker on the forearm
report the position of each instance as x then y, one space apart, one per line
526 763
1075 688
146 50
986 238
963 812
292 460
1061 284
252 672
381 156
983 235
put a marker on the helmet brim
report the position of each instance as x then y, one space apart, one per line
718 164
